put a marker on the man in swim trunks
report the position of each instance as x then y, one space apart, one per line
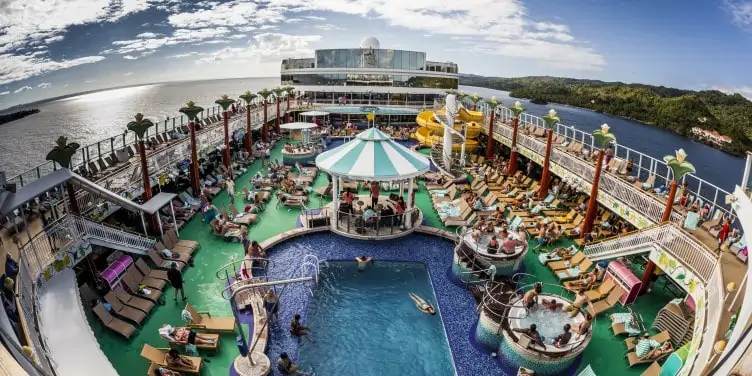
363 261
296 328
531 296
531 332
422 305
580 300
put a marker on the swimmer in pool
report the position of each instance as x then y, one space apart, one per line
363 261
422 304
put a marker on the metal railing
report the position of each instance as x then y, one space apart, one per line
643 164
27 306
714 310
111 235
639 241
365 102
354 223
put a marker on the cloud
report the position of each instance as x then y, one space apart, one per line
130 57
745 91
267 47
179 36
237 36
126 74
236 13
741 12
44 85
4 93
54 39
22 88
316 18
328 27
180 56
90 81
20 67
147 35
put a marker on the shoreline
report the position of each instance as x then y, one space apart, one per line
17 115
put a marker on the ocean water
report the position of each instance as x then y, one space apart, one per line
93 117
365 323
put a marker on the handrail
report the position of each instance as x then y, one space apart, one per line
266 262
111 234
621 235
404 222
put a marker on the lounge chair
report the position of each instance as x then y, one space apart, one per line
242 218
587 371
203 320
446 185
163 263
175 241
565 264
601 291
214 346
142 279
120 309
576 271
177 257
605 304
619 328
133 284
175 249
132 301
113 323
634 360
157 358
148 272
653 370
660 338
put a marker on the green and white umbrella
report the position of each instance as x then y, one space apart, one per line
373 155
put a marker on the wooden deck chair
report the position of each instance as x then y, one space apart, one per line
163 263
600 292
149 272
619 328
433 187
464 222
634 360
132 301
491 199
575 223
465 211
497 185
648 184
561 265
156 283
605 304
242 218
481 159
451 195
183 251
660 338
213 346
157 357
115 324
569 217
123 310
176 241
653 370
575 271
177 257
203 320
132 284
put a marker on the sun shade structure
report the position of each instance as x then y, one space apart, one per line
298 126
314 113
373 155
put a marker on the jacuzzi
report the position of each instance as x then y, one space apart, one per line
505 264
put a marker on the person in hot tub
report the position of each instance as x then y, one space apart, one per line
363 261
531 296
563 338
510 245
531 332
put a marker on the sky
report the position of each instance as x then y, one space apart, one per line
50 48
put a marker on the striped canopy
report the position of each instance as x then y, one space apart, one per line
373 155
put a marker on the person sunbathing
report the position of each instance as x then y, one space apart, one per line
422 305
586 281
562 253
649 349
222 226
174 359
184 336
161 371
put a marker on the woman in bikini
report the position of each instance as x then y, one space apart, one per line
422 305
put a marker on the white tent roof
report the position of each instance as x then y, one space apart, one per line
298 126
314 113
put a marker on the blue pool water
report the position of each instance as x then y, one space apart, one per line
367 109
365 323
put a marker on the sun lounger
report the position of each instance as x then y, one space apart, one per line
648 184
157 358
183 251
123 310
203 320
601 291
660 338
564 264
132 283
242 218
163 263
132 301
149 272
653 370
605 304
213 346
575 271
176 241
115 324
155 283
634 360
587 371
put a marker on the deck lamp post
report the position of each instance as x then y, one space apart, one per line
191 111
679 168
62 154
475 98
550 122
492 104
604 138
248 97
265 94
225 102
517 109
278 91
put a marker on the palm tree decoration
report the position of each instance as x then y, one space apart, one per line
492 103
265 94
191 111
517 109
278 93
679 168
62 154
551 119
225 102
475 98
248 97
604 138
140 126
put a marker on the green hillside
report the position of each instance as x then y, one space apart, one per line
674 109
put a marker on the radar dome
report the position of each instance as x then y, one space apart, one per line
370 42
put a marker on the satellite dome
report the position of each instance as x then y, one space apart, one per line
370 42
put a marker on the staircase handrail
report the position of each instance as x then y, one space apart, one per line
265 261
83 226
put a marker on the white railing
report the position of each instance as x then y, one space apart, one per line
111 235
637 242
643 164
714 309
692 254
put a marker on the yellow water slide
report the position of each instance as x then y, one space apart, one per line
430 131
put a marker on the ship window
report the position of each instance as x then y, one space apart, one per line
405 60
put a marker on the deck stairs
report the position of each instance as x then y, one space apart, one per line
109 236
637 242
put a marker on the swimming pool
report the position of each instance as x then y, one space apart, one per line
362 110
366 323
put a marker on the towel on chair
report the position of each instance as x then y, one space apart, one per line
691 222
